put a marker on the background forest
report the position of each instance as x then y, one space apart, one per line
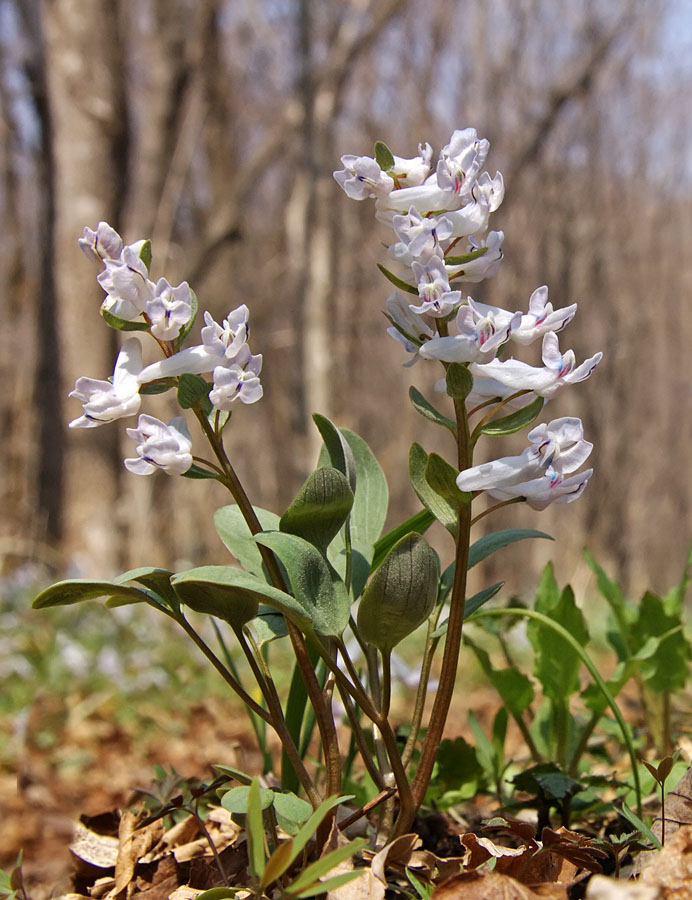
213 127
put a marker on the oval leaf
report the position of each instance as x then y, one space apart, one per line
337 448
123 324
320 509
236 800
192 389
442 478
515 421
235 534
383 156
428 411
459 381
443 511
492 542
65 593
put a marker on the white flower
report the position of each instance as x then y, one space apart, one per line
104 243
160 446
461 162
472 218
104 401
558 370
127 285
492 190
433 289
362 177
484 266
559 447
411 172
169 310
540 319
424 197
408 327
421 234
550 488
220 346
481 333
239 381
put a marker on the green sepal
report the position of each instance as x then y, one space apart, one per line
441 476
488 544
193 389
160 386
383 156
442 509
459 381
401 593
316 586
515 421
428 411
398 282
196 471
464 258
76 590
419 522
187 328
320 508
145 253
122 324
215 589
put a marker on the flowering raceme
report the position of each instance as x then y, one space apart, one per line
453 203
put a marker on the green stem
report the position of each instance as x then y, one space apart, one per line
477 430
593 671
421 693
492 509
580 749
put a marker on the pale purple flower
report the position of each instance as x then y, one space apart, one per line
558 370
105 401
421 234
169 310
126 282
104 243
461 162
220 346
540 319
362 177
408 327
472 218
412 172
484 266
160 446
558 446
481 334
433 289
550 488
239 381
492 190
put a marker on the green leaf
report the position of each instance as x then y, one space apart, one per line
291 811
441 477
456 766
160 386
397 282
443 511
235 534
76 590
242 777
277 864
547 779
199 472
308 879
313 823
192 389
419 522
330 884
145 253
556 663
401 593
315 585
463 258
237 800
484 546
428 411
371 495
641 826
254 826
474 603
187 328
515 421
217 589
668 669
459 381
154 579
513 686
320 508
122 324
218 893
337 448
268 625
383 156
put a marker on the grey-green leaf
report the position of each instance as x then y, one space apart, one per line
320 509
428 411
441 477
76 590
123 324
442 509
515 421
401 593
337 448
372 494
234 532
459 381
463 258
492 542
191 390
398 282
383 156
316 586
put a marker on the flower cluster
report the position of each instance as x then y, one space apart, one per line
135 303
440 218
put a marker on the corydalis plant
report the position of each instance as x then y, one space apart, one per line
300 574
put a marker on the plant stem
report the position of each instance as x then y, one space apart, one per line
421 692
486 512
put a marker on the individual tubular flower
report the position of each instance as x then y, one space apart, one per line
550 488
540 319
220 346
160 446
484 266
433 289
104 243
126 282
412 172
558 370
421 235
362 177
408 327
481 334
104 401
461 162
169 310
558 447
239 381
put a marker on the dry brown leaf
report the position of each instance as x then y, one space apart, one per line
525 864
495 886
134 844
431 867
398 852
602 888
100 850
672 871
678 807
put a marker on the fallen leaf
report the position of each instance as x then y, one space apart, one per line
602 888
495 886
100 850
678 807
672 871
398 852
